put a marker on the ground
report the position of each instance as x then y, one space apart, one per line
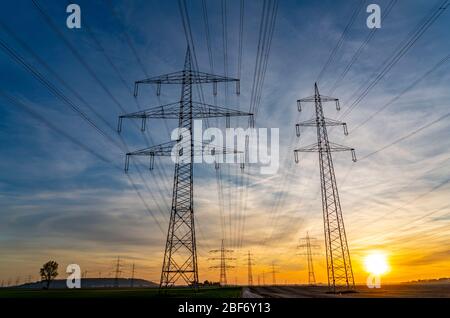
228 292
300 291
395 290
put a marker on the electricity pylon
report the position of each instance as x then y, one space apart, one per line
249 266
223 266
117 272
339 267
132 276
274 281
180 255
308 246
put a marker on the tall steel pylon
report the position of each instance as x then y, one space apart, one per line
274 280
117 271
309 246
132 276
223 265
339 267
180 255
249 267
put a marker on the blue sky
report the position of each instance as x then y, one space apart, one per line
59 201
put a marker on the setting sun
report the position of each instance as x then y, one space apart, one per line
376 263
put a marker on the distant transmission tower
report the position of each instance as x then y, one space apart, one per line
132 276
274 281
249 265
117 272
180 255
339 267
223 266
308 246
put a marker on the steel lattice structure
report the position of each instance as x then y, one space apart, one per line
339 267
223 265
309 246
180 255
249 267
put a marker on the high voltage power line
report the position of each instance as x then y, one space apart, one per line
266 31
341 40
223 258
91 72
161 172
392 60
404 91
360 49
61 96
180 256
269 13
408 135
127 38
339 266
279 201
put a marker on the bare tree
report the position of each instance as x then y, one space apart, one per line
48 272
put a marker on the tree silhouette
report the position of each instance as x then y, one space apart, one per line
48 272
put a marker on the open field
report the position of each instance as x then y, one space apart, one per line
390 291
232 292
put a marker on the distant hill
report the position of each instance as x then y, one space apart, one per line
443 280
95 283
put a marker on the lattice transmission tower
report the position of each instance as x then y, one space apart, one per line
309 245
223 265
132 276
273 272
180 255
249 269
339 267
117 272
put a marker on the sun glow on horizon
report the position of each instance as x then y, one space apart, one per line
376 263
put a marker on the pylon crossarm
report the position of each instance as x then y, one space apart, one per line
336 147
202 77
172 111
202 148
217 251
310 148
186 77
314 123
313 99
333 122
194 76
202 110
166 149
315 148
333 148
169 78
168 111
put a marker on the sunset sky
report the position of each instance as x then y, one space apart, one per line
59 201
